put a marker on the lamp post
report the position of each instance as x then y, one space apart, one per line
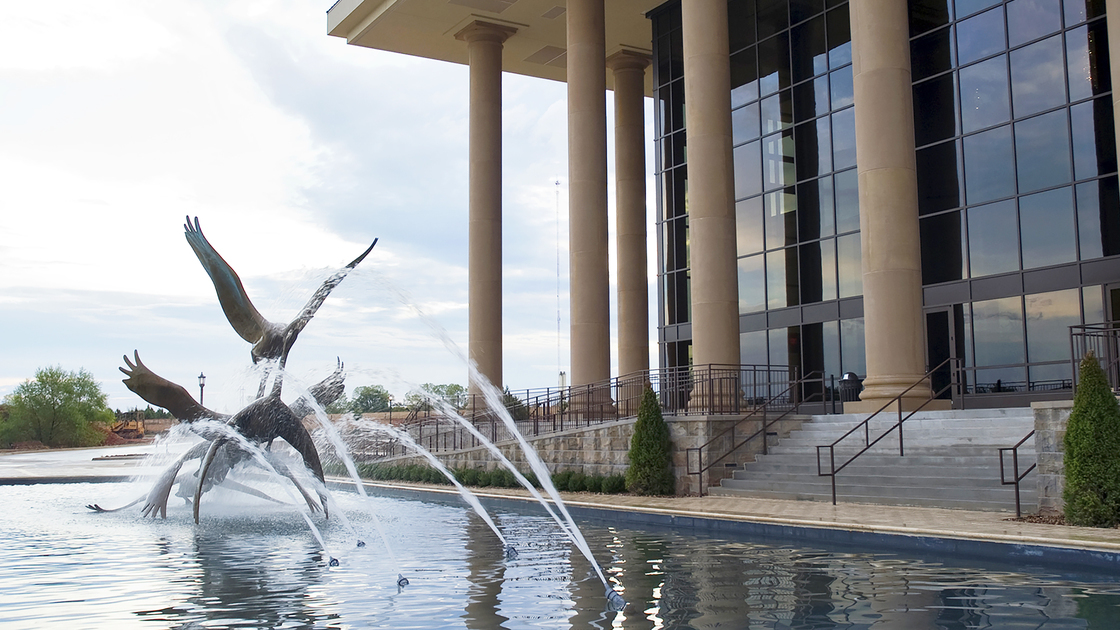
201 386
390 409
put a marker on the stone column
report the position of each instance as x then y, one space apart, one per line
587 192
888 202
711 191
484 46
711 183
630 208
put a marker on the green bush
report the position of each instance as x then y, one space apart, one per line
614 484
531 477
577 482
650 472
560 480
468 477
593 483
1092 451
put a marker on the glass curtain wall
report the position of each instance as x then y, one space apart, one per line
1016 175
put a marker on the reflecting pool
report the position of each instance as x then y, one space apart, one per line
252 564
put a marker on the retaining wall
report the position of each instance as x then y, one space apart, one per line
1050 419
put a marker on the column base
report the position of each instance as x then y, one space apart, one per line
908 404
879 390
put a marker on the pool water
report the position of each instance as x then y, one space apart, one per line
251 564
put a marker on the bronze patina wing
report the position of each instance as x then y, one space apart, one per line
163 393
239 310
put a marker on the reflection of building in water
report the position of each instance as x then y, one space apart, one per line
487 570
950 191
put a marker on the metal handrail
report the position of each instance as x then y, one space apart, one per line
1015 470
954 383
784 395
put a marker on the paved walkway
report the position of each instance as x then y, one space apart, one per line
99 464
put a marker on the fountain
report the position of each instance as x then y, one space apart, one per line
247 436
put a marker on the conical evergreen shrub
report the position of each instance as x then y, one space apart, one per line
1092 451
650 470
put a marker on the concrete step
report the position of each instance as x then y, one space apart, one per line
933 469
886 448
825 496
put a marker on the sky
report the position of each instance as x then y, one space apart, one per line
295 150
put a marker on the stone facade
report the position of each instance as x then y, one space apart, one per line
1050 419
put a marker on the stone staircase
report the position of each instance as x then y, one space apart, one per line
952 460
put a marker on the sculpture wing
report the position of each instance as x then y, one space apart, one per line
295 434
163 393
324 392
240 312
317 299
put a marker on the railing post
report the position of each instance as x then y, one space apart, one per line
832 466
901 449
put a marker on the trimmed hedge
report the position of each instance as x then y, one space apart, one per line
567 480
650 472
1092 451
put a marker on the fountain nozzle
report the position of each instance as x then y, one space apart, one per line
614 600
402 580
361 543
511 552
333 562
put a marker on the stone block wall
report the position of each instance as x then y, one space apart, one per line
1050 419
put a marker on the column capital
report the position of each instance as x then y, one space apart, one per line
483 31
628 60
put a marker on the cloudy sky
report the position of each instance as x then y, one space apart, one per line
119 118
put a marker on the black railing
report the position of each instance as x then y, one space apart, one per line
1017 476
954 366
1103 340
728 441
708 390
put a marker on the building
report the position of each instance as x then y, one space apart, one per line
870 186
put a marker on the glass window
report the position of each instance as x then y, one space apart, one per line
676 244
935 108
1089 220
1094 140
1093 301
931 54
984 100
1086 62
1042 151
839 37
752 284
740 24
852 348
773 63
781 278
812 55
1078 11
752 348
1056 376
785 349
848 269
818 271
993 240
1038 78
779 166
968 7
814 209
1049 316
1031 19
777 112
677 298
745 123
804 9
748 226
781 218
997 329
927 15
989 164
943 248
939 177
830 341
1001 380
773 16
980 36
813 150
847 201
844 139
748 169
810 99
843 93
1046 228
744 77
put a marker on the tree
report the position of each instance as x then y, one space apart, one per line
57 408
369 399
1092 451
451 393
650 470
341 405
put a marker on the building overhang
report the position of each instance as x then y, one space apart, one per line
427 28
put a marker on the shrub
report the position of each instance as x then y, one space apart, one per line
1092 451
531 477
614 484
650 472
560 480
593 483
577 482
